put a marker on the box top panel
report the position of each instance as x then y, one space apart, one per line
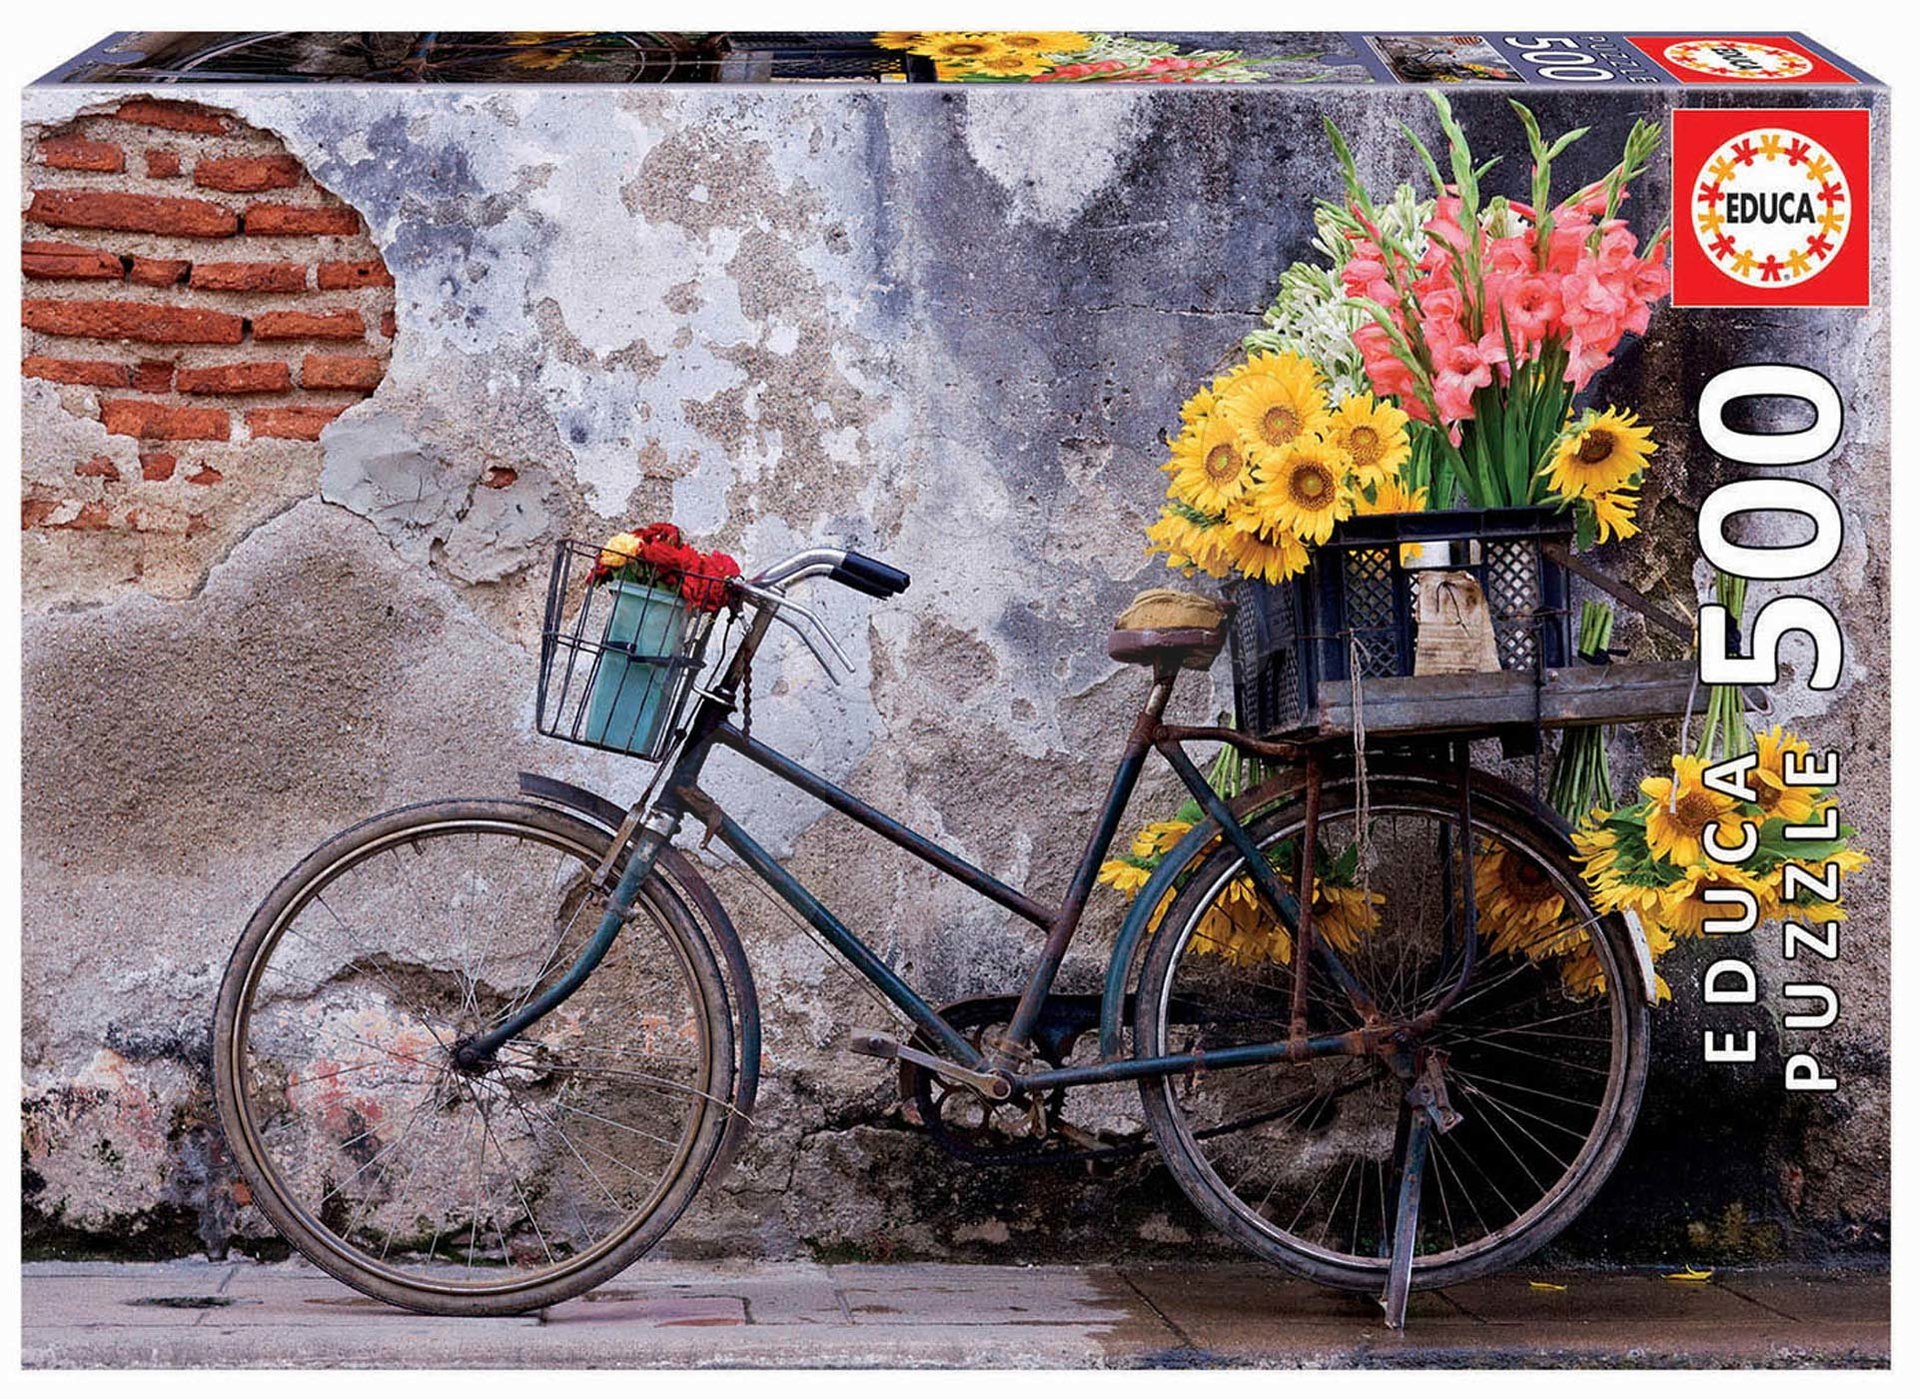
1052 57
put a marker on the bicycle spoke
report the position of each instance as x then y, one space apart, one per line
497 1174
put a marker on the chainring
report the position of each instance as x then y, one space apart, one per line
1022 1131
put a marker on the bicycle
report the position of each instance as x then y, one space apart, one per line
601 57
474 1057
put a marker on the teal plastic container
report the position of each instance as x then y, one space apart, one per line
627 705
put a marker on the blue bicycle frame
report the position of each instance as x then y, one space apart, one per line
711 727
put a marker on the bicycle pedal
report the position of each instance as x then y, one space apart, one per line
874 1044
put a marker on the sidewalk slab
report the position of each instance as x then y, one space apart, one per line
666 1314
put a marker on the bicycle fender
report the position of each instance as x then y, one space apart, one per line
683 874
1113 999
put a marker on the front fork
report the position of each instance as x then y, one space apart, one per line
655 831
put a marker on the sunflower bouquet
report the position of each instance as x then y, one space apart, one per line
1067 56
1742 830
1268 462
1237 925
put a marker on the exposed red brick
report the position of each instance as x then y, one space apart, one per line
162 164
303 423
158 271
247 174
174 116
308 325
131 213
67 262
34 513
499 477
132 320
387 324
205 476
142 417
93 515
340 372
78 153
153 376
251 376
98 372
157 466
249 276
102 467
340 276
299 219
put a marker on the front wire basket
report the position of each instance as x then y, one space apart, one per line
618 658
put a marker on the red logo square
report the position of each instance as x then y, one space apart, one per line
1771 207
1728 60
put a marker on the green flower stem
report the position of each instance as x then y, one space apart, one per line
1582 778
1726 733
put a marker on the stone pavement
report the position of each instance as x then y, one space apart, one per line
681 1314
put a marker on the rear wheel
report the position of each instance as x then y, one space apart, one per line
1546 1045
469 1191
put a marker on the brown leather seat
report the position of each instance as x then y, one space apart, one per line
1168 648
1168 628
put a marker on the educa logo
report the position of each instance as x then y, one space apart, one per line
1776 206
1739 58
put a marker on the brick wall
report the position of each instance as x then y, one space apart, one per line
191 289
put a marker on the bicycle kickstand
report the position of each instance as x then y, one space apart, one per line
1406 1220
1425 1110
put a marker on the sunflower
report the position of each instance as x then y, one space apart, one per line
1238 929
900 38
1613 513
1342 914
1126 876
1773 794
1305 490
1275 402
1258 548
1158 837
1374 437
1391 497
1523 909
1197 408
1052 42
1683 806
1714 893
957 47
1602 452
1191 543
1213 469
1010 63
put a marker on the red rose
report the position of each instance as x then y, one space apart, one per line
662 532
704 583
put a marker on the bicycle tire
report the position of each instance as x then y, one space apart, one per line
299 1225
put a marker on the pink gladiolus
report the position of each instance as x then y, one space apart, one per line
1457 371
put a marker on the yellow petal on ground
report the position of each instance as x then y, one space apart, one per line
1689 1275
1548 1286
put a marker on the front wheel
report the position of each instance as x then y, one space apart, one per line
485 1190
1545 1047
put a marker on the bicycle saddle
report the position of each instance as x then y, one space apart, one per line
1167 629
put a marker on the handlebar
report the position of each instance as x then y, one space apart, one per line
865 575
869 576
856 571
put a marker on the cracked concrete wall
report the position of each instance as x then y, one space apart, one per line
941 326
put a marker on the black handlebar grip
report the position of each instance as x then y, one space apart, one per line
869 576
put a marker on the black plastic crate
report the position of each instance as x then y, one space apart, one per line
1354 606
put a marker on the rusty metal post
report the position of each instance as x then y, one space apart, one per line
1303 943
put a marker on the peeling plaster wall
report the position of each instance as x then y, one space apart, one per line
944 327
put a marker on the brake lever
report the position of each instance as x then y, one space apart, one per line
782 606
